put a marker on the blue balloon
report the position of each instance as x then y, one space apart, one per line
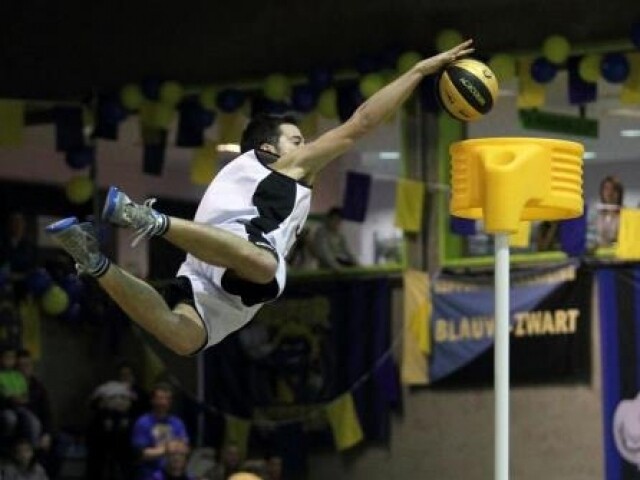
80 158
39 281
320 78
614 67
207 117
74 287
111 110
151 88
72 314
304 98
635 34
542 70
230 100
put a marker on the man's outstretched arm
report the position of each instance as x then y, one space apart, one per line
310 159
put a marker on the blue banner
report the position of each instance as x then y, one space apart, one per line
619 305
549 318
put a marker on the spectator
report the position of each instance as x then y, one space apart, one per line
15 414
108 445
547 237
604 217
23 464
175 467
38 402
127 375
16 249
273 468
156 432
229 463
330 245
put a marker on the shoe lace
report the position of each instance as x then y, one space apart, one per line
141 216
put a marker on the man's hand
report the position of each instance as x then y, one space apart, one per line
434 64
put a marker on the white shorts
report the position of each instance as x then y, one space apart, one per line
225 302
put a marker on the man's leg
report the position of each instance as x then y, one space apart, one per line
182 330
210 244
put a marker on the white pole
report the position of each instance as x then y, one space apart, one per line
501 359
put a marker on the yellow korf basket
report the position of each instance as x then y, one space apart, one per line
506 180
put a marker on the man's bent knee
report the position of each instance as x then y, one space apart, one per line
258 266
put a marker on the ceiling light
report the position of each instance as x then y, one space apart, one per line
389 155
589 155
228 147
631 133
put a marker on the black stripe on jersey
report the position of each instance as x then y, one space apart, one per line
274 198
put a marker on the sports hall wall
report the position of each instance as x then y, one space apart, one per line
443 434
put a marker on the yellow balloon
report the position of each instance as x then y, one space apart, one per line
171 93
370 84
276 87
589 67
328 103
163 115
504 66
208 98
556 49
131 97
55 301
447 39
407 60
79 189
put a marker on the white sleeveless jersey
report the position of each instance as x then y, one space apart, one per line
258 204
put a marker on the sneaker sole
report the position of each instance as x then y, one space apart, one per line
61 225
110 203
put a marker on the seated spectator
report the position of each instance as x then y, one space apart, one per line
22 464
604 217
127 375
156 432
17 419
228 464
330 244
38 402
175 466
16 248
108 445
273 468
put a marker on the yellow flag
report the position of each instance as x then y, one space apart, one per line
531 94
630 92
230 126
522 237
236 432
344 422
204 163
31 337
309 125
416 332
628 246
409 205
11 122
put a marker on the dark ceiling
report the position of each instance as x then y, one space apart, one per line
66 48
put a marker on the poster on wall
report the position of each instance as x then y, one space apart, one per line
550 324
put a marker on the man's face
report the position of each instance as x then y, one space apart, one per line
161 401
231 456
609 193
290 139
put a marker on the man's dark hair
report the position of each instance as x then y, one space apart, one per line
263 128
162 387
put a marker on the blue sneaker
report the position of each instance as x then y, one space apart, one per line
79 241
120 210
